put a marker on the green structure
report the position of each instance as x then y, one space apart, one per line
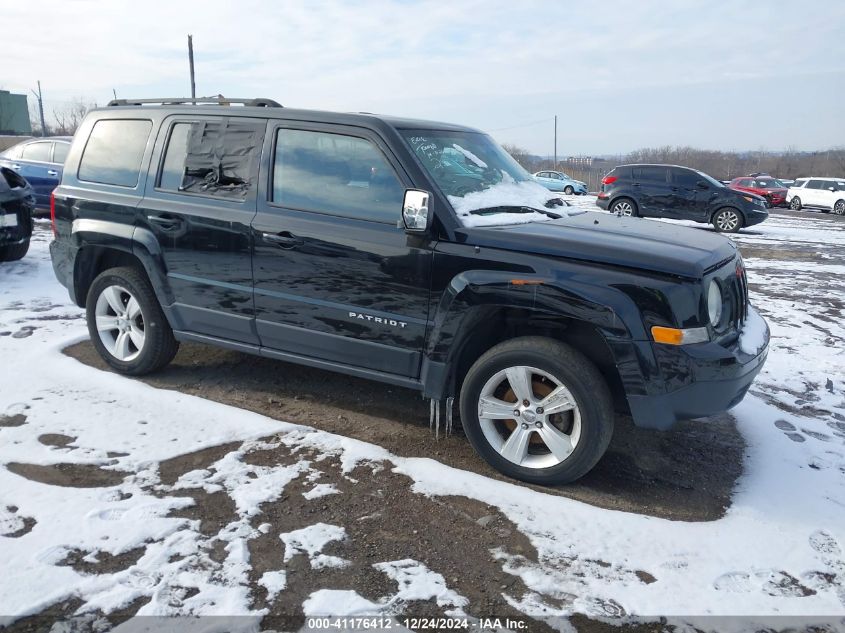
14 114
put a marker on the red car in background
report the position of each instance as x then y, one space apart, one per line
764 185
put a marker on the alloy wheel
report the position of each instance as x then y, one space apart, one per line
839 207
727 221
795 205
529 417
568 190
120 323
624 207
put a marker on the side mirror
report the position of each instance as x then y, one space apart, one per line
416 216
701 184
832 188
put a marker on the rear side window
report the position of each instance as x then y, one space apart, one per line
651 174
113 153
37 152
335 174
60 152
213 158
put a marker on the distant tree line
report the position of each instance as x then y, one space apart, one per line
789 164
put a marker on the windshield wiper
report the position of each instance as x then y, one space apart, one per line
514 209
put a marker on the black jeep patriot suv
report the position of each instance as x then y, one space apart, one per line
415 253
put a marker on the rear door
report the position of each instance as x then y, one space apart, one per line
336 278
35 164
199 204
652 188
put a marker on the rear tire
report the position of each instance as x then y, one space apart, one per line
795 204
13 252
566 414
727 220
126 323
625 206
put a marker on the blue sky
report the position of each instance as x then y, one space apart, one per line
739 74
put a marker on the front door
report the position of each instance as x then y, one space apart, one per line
686 201
199 204
336 279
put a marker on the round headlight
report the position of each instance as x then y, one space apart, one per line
714 303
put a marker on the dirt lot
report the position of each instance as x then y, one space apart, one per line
687 474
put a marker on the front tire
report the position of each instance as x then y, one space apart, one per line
13 252
839 207
727 220
625 206
568 190
537 410
126 323
795 204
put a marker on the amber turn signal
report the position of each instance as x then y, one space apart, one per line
674 336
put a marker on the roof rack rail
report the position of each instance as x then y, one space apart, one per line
216 100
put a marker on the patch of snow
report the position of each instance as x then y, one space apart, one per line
320 490
753 334
311 540
418 582
9 522
475 159
337 602
507 193
274 582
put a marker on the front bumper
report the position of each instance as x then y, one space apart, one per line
15 224
692 381
755 215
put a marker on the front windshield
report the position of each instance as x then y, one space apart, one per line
713 182
476 175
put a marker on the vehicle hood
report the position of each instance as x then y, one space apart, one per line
609 239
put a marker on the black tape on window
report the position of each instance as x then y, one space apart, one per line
221 157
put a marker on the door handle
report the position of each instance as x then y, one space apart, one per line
285 239
166 222
52 172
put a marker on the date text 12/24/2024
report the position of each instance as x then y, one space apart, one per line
364 623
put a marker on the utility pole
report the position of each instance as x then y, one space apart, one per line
191 63
41 109
555 167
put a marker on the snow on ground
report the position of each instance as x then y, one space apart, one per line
778 549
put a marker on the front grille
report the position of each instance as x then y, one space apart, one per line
739 289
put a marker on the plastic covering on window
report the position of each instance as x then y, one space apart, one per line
221 157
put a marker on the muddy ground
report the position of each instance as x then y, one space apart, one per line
688 474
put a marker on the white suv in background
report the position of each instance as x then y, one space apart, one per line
827 194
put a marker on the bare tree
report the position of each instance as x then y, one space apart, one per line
69 116
520 155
